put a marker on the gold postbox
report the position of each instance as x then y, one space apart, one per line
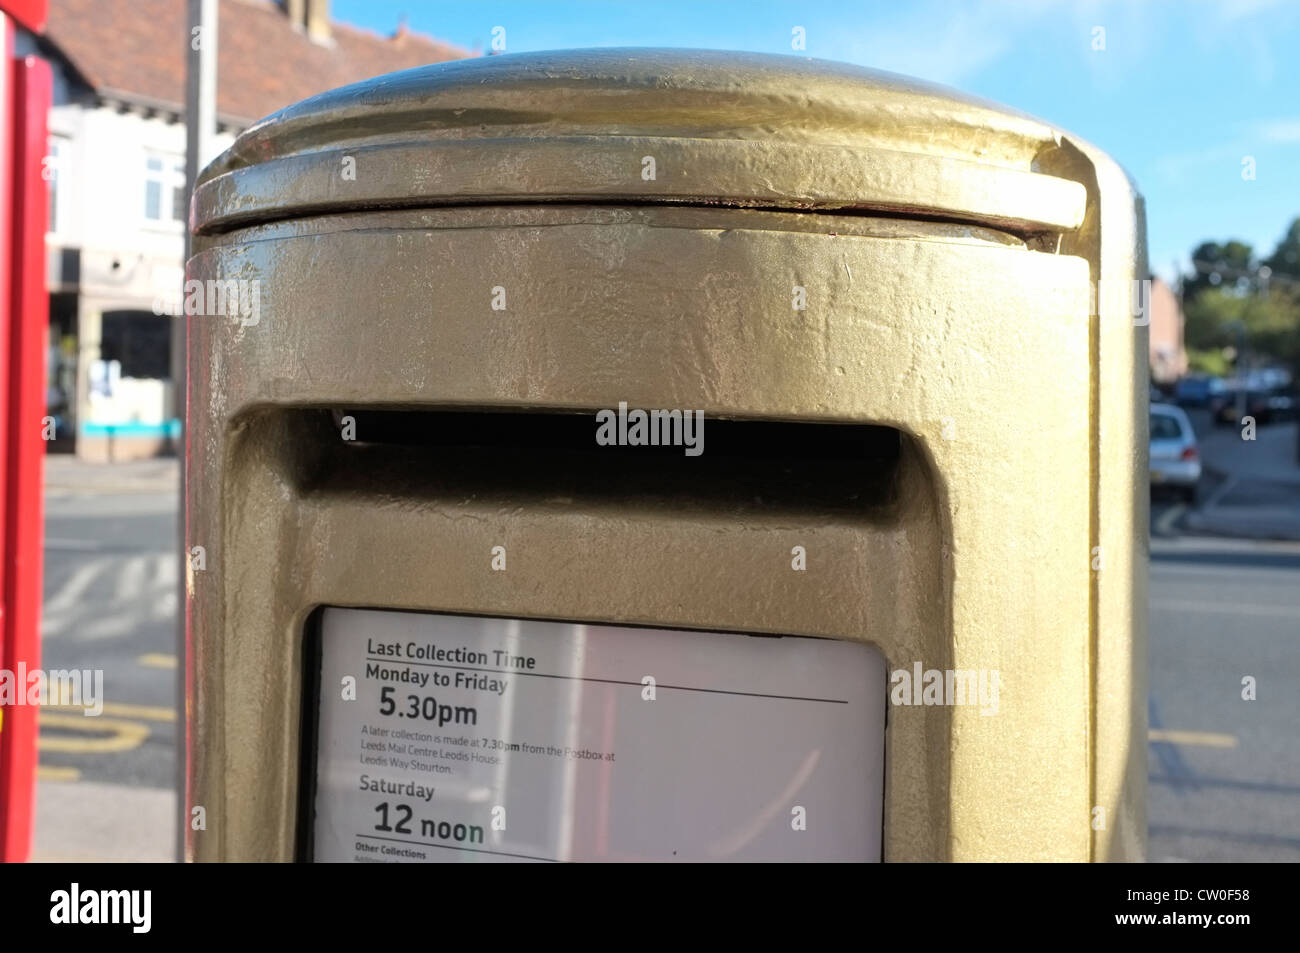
461 260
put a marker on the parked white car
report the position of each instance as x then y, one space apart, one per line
1175 457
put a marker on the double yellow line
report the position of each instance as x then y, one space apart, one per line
119 728
124 728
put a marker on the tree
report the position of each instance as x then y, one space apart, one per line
1214 265
1228 288
1285 260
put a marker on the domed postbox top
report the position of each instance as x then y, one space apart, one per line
694 127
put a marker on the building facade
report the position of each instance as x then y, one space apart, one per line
1168 352
116 171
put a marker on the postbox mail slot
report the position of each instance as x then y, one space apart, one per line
462 738
840 470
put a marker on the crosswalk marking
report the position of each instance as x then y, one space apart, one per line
131 578
165 572
137 587
72 590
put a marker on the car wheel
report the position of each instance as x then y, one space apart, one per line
1189 495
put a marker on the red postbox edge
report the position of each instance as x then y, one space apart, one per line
31 92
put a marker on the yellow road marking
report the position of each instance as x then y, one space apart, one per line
49 772
1207 739
143 712
121 735
156 660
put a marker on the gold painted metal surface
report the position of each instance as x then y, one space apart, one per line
722 128
1024 439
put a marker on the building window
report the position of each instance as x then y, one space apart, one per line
140 341
53 173
164 189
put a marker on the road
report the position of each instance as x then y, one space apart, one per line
106 783
1225 781
1224 771
1224 607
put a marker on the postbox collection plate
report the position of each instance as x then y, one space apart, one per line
466 738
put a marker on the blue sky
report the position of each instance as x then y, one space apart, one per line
1181 94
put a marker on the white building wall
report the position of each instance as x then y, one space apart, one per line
125 261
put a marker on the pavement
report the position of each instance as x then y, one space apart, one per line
68 475
1224 607
93 822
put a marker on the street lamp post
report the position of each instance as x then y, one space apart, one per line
1241 372
1240 328
200 129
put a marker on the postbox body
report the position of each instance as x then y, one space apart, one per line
461 261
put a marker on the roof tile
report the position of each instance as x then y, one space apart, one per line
135 49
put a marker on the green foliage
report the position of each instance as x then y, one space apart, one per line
1217 265
1285 260
1208 362
1228 290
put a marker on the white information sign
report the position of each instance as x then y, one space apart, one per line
460 738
